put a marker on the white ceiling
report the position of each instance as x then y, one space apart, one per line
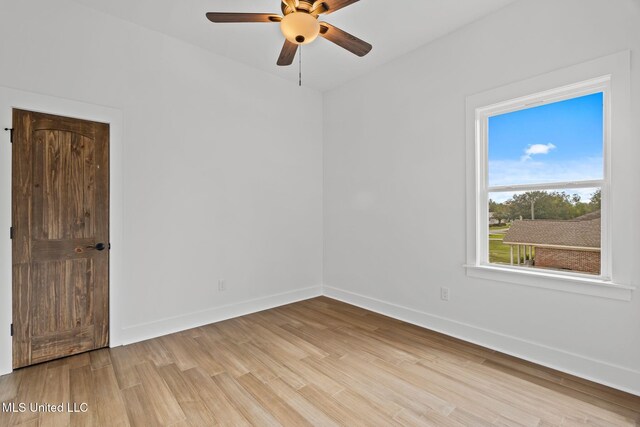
393 27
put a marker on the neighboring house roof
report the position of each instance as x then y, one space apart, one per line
586 217
582 232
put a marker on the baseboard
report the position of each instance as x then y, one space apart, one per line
598 371
145 331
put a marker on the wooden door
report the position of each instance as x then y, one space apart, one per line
60 236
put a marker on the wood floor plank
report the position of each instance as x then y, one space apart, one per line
124 361
341 318
78 360
323 339
181 388
187 396
331 407
280 409
314 376
384 398
374 346
244 402
9 385
212 330
434 347
182 355
193 353
608 394
477 381
550 406
316 362
401 386
30 390
139 409
110 404
275 366
360 405
225 359
162 400
583 402
153 351
303 318
246 359
432 419
236 330
32 423
81 384
476 400
309 348
267 339
277 317
305 408
56 392
215 399
100 358
468 419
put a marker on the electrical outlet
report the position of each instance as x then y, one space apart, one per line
222 286
444 294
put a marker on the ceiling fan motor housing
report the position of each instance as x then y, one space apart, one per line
300 27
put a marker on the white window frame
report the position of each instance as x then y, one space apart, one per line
483 114
609 75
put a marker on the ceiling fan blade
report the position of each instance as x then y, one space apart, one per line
331 6
344 39
288 53
220 17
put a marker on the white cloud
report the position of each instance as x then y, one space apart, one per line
537 149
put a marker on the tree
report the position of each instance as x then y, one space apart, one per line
596 201
543 205
556 205
500 213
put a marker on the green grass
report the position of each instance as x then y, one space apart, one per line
499 252
498 227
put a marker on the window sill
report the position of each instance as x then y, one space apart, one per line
547 280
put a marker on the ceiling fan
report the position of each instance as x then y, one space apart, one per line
299 25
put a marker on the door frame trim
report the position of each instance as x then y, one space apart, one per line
14 98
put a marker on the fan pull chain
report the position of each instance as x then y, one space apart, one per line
300 67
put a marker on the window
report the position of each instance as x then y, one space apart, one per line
544 179
540 154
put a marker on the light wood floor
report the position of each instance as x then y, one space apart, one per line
316 362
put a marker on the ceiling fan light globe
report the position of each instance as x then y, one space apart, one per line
300 27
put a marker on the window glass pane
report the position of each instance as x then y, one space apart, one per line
557 142
554 229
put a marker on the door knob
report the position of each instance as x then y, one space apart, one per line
98 246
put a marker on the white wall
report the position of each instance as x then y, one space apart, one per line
394 190
222 164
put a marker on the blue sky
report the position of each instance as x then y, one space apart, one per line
555 142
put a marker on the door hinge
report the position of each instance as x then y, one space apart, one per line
11 232
12 329
10 130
